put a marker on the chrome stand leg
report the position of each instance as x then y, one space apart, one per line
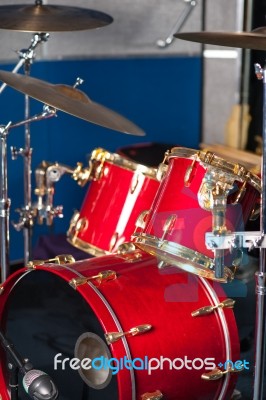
27 229
26 221
261 275
4 207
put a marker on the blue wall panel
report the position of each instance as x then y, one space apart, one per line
161 95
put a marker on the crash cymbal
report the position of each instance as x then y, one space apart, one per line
50 18
71 100
255 40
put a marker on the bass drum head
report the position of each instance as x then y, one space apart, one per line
43 317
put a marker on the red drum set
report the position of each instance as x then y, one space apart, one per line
150 308
147 299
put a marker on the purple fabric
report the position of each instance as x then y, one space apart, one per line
49 246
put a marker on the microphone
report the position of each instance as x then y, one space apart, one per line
39 386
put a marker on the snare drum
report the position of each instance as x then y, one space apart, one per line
119 190
199 193
131 320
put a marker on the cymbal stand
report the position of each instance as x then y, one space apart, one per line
4 200
28 53
4 205
190 4
252 240
260 339
26 222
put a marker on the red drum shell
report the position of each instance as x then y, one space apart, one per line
112 205
192 222
141 294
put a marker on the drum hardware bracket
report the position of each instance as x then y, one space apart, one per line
46 175
29 53
190 5
26 217
27 213
227 303
231 241
112 337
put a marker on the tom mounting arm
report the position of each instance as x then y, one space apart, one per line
46 175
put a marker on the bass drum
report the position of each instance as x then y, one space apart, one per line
129 321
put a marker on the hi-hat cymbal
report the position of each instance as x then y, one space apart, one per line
50 18
255 40
71 100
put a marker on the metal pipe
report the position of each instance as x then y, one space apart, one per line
261 274
190 4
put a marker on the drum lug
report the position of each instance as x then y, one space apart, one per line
163 167
112 337
134 183
168 225
96 168
113 242
131 256
188 175
161 171
77 225
125 248
1 291
157 395
141 220
216 374
255 213
227 303
240 194
61 259
73 222
103 276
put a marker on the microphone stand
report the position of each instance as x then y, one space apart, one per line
14 363
37 384
13 380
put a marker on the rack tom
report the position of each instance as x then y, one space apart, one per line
119 190
199 193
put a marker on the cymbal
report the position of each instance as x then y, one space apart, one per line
71 100
255 40
50 18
